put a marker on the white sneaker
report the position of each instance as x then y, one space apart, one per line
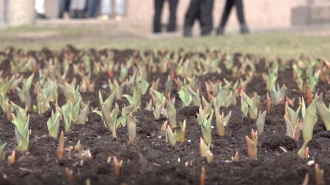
118 18
103 17
66 15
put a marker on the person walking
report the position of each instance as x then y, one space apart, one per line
171 26
240 15
201 10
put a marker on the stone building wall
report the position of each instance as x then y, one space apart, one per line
259 13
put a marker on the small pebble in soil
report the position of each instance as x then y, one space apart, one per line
310 162
167 162
178 159
104 85
189 140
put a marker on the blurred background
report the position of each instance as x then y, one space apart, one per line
130 23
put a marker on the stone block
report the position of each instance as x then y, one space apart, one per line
20 12
318 13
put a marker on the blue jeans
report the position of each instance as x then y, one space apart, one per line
91 7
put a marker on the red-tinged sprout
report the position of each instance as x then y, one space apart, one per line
203 177
327 63
306 179
88 154
309 95
117 165
69 152
79 148
252 145
268 103
319 175
11 158
60 148
235 158
68 174
109 160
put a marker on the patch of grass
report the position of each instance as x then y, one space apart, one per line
281 44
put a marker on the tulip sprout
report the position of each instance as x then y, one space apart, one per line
159 100
324 113
319 175
205 150
261 122
11 158
170 137
304 151
221 121
252 145
67 115
206 128
5 87
171 113
292 122
250 105
185 96
6 108
2 146
22 133
53 124
309 120
60 148
131 127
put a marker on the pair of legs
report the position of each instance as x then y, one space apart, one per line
171 26
91 6
39 6
201 10
240 15
116 6
64 7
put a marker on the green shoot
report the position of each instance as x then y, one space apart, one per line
21 131
309 121
53 124
261 122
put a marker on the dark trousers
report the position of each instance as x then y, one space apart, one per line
201 10
64 6
239 9
171 25
91 6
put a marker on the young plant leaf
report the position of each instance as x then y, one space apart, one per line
309 121
171 113
53 124
261 122
324 113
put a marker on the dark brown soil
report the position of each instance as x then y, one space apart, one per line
149 160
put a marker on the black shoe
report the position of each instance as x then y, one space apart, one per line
244 29
41 16
220 31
